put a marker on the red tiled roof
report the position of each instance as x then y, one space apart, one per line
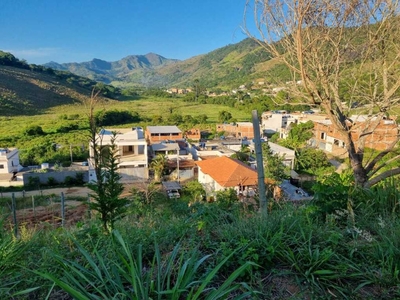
228 172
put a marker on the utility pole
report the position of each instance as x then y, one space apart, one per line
177 160
260 162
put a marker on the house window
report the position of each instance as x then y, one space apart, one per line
130 148
336 142
1 166
323 135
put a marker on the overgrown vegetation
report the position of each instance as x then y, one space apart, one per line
187 247
109 91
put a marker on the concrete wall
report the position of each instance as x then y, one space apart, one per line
58 176
133 174
4 183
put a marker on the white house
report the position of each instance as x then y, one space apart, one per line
132 153
222 173
9 160
288 155
272 122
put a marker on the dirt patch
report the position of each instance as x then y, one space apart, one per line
50 215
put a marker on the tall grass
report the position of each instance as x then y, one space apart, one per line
174 275
291 252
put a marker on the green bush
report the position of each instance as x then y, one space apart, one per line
51 181
69 181
34 130
79 178
33 181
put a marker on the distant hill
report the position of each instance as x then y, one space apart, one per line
107 72
224 67
30 89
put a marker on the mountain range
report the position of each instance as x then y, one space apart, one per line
224 67
29 89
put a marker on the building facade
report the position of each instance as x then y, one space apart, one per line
156 134
132 153
9 161
237 130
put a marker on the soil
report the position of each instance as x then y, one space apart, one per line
50 215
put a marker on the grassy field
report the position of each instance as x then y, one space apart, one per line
146 107
37 148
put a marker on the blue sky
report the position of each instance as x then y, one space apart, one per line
80 30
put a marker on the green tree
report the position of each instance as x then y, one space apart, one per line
175 119
299 134
243 154
158 165
108 188
198 89
341 51
195 190
34 130
201 119
224 116
273 164
312 161
157 120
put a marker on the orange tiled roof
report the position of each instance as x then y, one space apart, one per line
229 172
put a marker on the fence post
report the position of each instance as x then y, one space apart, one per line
62 209
14 212
33 207
89 211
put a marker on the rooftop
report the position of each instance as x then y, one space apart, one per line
229 172
163 129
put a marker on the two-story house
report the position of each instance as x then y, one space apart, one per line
237 130
156 134
132 153
327 138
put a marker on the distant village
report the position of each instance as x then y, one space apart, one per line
259 85
190 156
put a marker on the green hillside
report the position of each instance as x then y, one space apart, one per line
116 71
225 67
30 89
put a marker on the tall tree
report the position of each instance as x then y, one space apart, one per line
342 51
107 187
198 89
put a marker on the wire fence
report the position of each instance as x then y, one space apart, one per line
42 211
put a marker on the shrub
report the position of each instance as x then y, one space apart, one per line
79 178
33 181
34 130
51 181
69 181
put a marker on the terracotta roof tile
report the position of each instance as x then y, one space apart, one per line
229 172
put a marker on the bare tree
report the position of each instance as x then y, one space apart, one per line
342 51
